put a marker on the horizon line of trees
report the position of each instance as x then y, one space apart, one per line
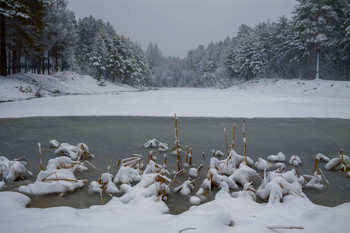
315 43
43 36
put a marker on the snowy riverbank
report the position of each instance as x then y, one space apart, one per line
79 95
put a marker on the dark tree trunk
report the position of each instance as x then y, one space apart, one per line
19 57
14 59
25 64
39 66
48 64
3 46
9 64
43 66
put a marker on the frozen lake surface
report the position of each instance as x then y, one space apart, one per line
114 138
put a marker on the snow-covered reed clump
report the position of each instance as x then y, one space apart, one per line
59 175
13 170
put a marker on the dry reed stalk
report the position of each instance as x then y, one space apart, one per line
227 150
323 176
199 168
178 173
297 193
118 163
86 161
101 197
191 157
316 167
187 152
342 156
234 135
41 157
243 126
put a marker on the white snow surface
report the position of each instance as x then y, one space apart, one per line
224 214
79 95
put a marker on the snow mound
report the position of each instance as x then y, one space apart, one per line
280 157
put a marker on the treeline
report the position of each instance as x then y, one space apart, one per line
43 36
288 48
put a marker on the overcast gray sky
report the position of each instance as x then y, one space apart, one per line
178 25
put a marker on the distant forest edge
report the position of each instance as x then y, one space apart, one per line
43 36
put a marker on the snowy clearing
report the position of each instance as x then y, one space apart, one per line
257 98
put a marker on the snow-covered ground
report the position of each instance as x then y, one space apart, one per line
224 214
258 98
67 94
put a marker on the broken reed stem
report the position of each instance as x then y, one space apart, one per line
187 152
41 157
226 142
101 197
297 193
199 168
316 167
342 156
178 173
92 165
191 157
234 135
323 176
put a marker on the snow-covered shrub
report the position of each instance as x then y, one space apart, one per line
81 151
186 188
315 181
276 185
261 164
67 150
341 162
54 143
104 183
127 175
279 157
322 157
13 170
65 163
154 143
243 174
194 200
193 172
295 160
53 181
248 192
280 167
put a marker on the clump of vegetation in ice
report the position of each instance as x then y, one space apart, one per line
341 162
276 185
154 143
261 164
81 151
54 143
59 174
295 160
280 157
322 157
13 170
